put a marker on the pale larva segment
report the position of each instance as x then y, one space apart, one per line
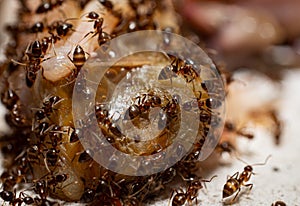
58 63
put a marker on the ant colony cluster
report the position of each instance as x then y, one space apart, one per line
143 105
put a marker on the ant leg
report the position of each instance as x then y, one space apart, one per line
250 186
172 193
236 195
235 176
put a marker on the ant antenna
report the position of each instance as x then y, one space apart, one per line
256 164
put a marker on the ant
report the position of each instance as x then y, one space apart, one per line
98 23
47 6
180 198
46 41
103 37
8 196
178 67
34 55
40 188
50 102
16 115
52 156
225 146
62 28
278 126
85 156
88 195
75 135
23 198
78 58
54 180
48 107
9 98
232 128
236 181
278 203
38 27
107 4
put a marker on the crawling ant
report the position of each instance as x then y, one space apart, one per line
278 126
180 198
17 118
54 180
10 197
7 196
236 181
34 54
40 188
52 156
85 156
107 4
62 28
46 41
83 3
103 37
232 128
75 135
225 146
47 6
98 23
78 58
88 195
278 203
132 112
9 98
38 27
50 102
24 198
48 107
178 67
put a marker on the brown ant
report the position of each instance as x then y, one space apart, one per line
75 135
47 6
46 41
107 4
78 58
225 146
178 67
34 55
278 126
62 28
7 196
48 107
236 181
232 128
103 37
10 197
38 27
98 23
180 198
52 156
278 203
17 118
40 188
9 98
88 195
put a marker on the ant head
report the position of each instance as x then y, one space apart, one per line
248 168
